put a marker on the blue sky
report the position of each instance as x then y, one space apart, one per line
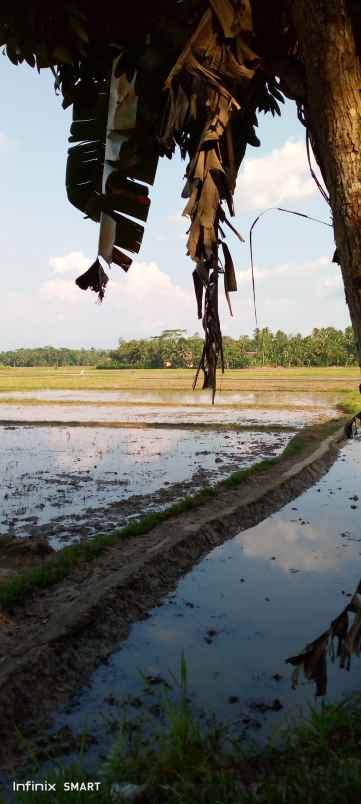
45 242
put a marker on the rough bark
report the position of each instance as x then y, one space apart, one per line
333 113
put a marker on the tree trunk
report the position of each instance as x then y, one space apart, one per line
333 113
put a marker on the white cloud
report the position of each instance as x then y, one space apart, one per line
60 290
74 263
280 176
176 229
294 545
146 300
149 297
293 297
140 303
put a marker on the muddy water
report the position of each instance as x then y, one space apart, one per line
166 407
244 609
68 483
169 397
74 463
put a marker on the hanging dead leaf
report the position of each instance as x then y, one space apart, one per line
198 289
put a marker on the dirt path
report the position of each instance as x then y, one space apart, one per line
50 647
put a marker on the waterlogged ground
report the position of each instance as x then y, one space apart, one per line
67 483
76 462
166 407
238 615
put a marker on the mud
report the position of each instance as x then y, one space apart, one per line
50 647
65 485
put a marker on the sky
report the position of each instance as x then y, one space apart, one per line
45 243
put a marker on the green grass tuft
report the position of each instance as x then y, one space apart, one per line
185 761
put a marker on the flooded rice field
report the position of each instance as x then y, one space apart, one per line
68 483
74 463
166 407
238 615
178 398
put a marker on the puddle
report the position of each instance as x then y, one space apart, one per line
296 417
167 407
73 475
171 397
67 483
238 615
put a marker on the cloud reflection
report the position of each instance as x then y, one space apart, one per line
294 545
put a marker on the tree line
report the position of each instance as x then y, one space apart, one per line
51 356
323 347
172 349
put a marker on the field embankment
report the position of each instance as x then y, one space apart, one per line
62 614
65 629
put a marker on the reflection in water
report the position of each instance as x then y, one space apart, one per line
295 416
346 629
240 612
295 542
352 427
67 483
181 398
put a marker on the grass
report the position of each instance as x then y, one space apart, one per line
17 590
319 762
185 762
90 379
349 403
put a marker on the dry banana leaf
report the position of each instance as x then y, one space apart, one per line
198 290
193 239
230 226
197 171
226 16
203 271
351 643
191 204
195 67
228 300
209 241
212 161
121 259
236 69
313 661
107 232
132 198
128 232
339 628
205 24
208 202
244 52
181 109
94 278
313 658
230 281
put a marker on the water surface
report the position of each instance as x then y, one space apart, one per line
68 483
265 594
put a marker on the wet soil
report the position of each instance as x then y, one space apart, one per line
64 477
64 485
50 647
